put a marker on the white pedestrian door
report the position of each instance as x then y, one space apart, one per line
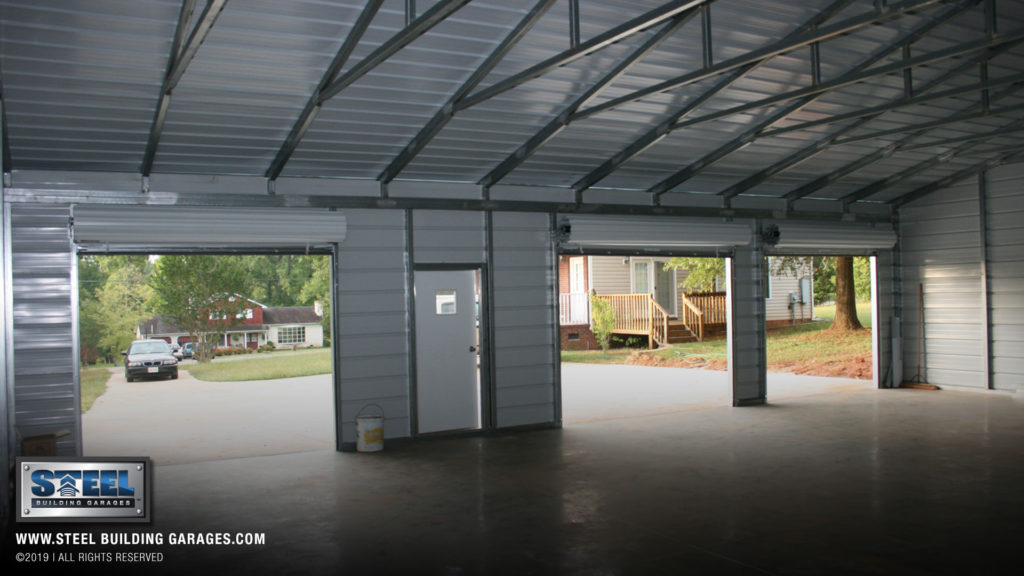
447 373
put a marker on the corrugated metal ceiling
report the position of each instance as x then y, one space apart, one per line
82 81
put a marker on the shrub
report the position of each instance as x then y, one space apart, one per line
231 351
602 321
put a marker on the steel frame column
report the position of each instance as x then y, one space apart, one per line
745 313
983 256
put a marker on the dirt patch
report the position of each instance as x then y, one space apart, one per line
858 367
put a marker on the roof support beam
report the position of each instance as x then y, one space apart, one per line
914 133
639 24
883 183
879 15
859 75
560 122
655 134
445 114
804 97
833 139
874 111
312 108
181 56
948 181
432 17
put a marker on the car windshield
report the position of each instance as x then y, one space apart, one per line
149 348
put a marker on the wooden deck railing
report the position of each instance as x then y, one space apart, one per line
639 314
702 309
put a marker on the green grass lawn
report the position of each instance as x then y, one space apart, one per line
787 345
94 384
828 313
264 366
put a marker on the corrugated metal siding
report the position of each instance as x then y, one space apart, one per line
46 397
941 253
371 306
1006 275
747 354
441 237
524 347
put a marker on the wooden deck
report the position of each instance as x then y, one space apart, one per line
702 315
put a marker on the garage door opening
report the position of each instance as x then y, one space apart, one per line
238 359
819 324
663 320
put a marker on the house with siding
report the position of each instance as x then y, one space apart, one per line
288 326
630 282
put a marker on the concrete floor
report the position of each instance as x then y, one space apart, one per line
860 481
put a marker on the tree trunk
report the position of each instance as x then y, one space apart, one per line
846 297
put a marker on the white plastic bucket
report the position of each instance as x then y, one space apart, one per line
369 433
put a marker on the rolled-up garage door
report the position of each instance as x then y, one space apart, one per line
836 237
586 232
113 226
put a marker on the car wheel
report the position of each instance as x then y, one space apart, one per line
174 376
129 378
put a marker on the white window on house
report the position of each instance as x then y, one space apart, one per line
291 335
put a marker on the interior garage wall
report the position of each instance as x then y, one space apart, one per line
961 246
372 321
1005 238
43 314
525 322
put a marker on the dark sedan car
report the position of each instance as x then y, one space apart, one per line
149 358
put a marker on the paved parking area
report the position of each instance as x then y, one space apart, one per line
594 392
187 420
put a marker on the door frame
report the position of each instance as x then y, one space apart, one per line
652 281
487 393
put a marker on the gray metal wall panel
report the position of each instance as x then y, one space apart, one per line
884 298
1006 275
444 237
44 374
372 308
746 327
940 239
523 276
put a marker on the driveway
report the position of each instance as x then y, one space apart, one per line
594 392
188 420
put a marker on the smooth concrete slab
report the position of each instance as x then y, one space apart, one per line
861 481
189 420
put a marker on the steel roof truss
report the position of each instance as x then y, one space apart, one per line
432 17
636 25
807 95
445 114
655 135
863 117
557 124
785 45
182 53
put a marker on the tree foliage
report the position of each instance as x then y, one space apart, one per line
703 272
200 294
114 299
